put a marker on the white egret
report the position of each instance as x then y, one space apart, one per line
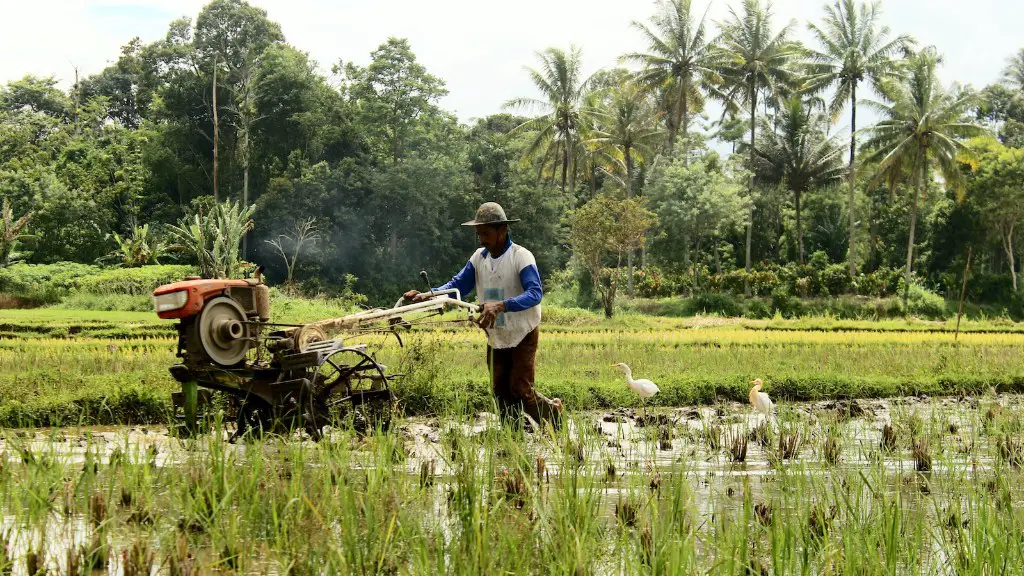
645 388
759 400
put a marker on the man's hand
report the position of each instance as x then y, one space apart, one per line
489 313
415 296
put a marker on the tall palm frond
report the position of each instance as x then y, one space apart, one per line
854 48
799 156
921 124
556 129
755 59
681 59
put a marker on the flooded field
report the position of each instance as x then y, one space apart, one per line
908 486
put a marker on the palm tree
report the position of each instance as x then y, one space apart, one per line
798 156
854 48
557 129
681 57
755 60
625 132
921 124
1014 72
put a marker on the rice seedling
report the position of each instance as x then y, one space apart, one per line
738 448
1011 450
789 444
888 442
922 455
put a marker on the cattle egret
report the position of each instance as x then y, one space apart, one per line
759 400
645 388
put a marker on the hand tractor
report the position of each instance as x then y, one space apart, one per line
283 377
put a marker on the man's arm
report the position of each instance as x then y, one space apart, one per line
533 291
465 280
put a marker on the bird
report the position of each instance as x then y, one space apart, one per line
759 400
645 388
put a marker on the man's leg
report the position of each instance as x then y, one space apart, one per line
498 362
524 362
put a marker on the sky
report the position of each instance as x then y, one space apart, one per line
478 47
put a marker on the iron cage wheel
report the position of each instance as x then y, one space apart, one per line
350 383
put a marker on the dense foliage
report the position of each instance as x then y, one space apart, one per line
122 168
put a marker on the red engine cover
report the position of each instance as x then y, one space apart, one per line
199 291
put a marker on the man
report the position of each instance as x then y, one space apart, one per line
508 285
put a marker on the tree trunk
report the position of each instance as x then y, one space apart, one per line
216 135
673 123
684 118
245 202
799 230
1008 246
913 226
718 259
750 224
565 166
852 255
629 194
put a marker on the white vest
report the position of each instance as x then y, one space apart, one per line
497 279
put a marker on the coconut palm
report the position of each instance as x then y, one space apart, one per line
854 49
1014 72
922 124
755 59
681 58
557 130
625 130
798 155
624 133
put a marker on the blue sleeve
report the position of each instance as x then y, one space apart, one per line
465 280
529 277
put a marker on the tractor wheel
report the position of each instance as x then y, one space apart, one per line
353 390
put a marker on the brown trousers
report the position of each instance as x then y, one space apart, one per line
512 378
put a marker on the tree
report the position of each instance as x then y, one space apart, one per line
1001 108
1013 74
997 188
394 96
921 124
625 133
396 99
302 233
140 248
854 49
607 227
798 156
214 237
11 231
695 202
557 130
681 58
755 59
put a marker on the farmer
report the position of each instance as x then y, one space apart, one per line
507 283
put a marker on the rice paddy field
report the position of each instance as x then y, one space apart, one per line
896 449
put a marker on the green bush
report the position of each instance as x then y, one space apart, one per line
721 304
762 282
880 283
134 281
922 302
43 283
785 304
835 279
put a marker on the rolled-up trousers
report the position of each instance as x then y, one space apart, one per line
512 378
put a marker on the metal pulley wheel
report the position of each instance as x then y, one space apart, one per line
223 331
349 382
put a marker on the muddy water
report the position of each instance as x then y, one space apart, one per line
695 442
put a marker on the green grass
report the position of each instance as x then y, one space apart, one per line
65 367
494 502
